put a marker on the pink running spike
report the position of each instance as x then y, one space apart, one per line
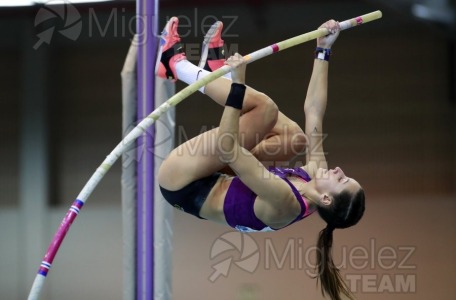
168 57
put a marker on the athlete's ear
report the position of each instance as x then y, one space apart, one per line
325 199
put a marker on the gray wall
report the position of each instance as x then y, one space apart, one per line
390 122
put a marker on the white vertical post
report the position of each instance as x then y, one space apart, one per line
33 158
128 178
163 220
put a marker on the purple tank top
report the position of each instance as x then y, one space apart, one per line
239 201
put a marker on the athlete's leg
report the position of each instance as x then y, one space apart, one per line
259 124
174 65
198 157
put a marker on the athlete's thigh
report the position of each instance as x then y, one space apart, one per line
192 160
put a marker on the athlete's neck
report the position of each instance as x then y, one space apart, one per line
307 190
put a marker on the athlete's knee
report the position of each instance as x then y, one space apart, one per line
299 140
267 107
296 137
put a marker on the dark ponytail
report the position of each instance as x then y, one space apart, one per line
345 211
328 274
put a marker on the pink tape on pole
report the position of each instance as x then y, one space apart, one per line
275 48
359 20
59 236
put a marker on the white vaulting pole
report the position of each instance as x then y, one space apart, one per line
148 121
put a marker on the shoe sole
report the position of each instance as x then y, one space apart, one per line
205 47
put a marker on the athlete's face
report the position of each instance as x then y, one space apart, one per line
334 181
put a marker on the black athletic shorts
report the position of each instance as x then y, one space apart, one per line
191 197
